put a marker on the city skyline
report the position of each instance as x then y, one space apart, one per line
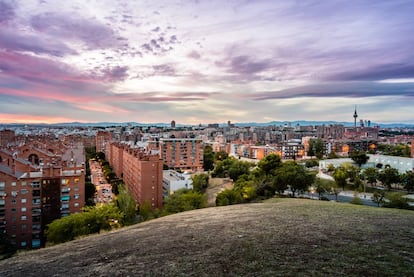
206 61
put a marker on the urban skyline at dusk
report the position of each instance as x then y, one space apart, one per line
206 61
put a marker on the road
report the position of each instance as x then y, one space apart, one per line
103 189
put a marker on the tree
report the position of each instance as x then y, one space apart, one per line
408 180
269 164
389 176
221 155
359 157
127 205
316 148
340 176
228 197
378 197
100 156
323 186
145 211
294 176
184 200
238 168
397 200
90 191
371 175
91 220
208 158
200 182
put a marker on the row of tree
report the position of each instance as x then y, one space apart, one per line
271 175
390 178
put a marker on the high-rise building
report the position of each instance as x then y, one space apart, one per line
140 170
182 154
173 124
37 187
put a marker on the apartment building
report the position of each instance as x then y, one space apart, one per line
141 171
184 154
37 187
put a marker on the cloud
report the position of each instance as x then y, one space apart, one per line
164 70
12 41
340 89
71 27
115 74
194 55
376 73
6 12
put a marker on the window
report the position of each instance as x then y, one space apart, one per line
13 210
23 200
23 209
23 184
2 185
23 217
13 201
23 244
23 191
13 184
76 204
77 196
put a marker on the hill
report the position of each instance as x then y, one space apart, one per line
283 237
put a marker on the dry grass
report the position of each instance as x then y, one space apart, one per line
282 237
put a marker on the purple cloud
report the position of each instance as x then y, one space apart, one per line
6 12
194 55
340 89
164 70
34 44
62 26
114 74
376 73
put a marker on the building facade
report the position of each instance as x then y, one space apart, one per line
182 154
37 187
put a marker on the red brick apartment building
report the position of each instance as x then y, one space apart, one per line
140 170
182 153
37 187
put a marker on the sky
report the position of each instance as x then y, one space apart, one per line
206 61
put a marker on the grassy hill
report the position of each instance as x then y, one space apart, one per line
282 237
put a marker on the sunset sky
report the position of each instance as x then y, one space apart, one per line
206 61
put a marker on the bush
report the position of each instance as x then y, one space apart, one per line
356 201
397 200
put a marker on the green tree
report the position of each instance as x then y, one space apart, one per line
200 182
91 220
397 200
371 175
269 164
184 200
208 158
221 156
100 156
228 197
90 191
408 180
378 197
389 176
145 211
323 186
340 176
237 169
316 148
294 176
359 157
127 205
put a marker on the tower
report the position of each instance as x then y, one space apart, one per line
355 117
